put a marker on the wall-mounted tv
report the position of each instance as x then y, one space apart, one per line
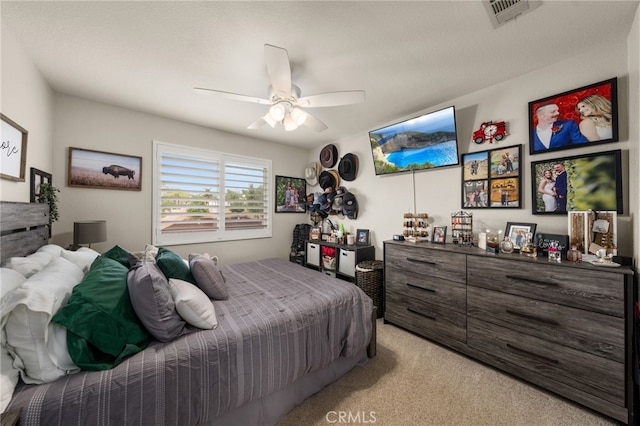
425 142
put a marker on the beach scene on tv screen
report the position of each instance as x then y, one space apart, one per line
425 142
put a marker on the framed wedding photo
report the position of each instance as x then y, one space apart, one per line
577 118
291 195
581 182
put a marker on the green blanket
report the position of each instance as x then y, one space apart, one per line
102 327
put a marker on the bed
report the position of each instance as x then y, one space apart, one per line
283 334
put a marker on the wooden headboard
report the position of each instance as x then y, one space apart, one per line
24 227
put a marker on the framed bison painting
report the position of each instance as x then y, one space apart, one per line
105 170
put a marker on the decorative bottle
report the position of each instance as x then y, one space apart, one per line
573 255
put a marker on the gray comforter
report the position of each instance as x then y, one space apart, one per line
281 322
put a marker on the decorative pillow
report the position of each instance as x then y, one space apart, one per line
53 250
29 265
118 254
208 276
152 301
148 255
27 313
8 378
192 304
173 266
10 279
101 325
83 257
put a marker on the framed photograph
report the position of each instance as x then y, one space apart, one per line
492 179
291 194
584 116
517 233
13 159
581 182
362 237
439 234
104 170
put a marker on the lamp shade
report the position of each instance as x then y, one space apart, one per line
89 231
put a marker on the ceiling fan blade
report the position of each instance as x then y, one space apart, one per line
314 123
232 96
332 99
257 124
279 70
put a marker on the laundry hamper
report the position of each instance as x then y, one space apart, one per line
369 277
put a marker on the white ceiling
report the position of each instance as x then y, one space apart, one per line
407 56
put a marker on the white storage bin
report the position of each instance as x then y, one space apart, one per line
347 262
313 254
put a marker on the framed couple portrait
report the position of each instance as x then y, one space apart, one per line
576 118
492 179
580 182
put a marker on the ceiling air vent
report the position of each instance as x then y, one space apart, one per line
501 11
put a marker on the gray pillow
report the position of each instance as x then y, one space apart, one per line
207 276
152 301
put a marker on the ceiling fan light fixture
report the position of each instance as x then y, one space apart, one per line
298 115
289 123
277 111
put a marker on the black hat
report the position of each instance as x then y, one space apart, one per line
327 180
329 156
350 205
348 167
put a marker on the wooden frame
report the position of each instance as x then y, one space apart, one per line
362 237
104 170
589 182
291 195
517 233
439 235
584 116
588 235
492 178
13 156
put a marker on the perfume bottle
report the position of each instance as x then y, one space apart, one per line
529 248
553 254
573 255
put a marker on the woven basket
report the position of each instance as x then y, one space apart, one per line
369 277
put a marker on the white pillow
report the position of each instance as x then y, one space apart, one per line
10 279
192 304
52 249
29 265
83 257
8 379
26 317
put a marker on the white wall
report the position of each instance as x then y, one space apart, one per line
384 199
85 124
27 100
633 49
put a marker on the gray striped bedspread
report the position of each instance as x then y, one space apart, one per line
281 322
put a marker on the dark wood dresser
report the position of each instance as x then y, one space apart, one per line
565 327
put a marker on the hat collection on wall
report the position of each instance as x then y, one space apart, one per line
333 199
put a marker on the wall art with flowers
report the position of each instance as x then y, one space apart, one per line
577 118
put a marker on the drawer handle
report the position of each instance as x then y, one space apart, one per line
533 355
532 317
421 288
413 311
532 281
411 259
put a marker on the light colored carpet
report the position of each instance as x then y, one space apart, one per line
412 381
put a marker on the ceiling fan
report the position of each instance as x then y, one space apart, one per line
285 104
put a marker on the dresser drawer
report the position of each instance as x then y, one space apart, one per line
432 321
594 290
410 284
591 374
597 334
443 265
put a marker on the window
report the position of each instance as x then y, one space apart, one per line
201 196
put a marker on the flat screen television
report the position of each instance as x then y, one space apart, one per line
425 142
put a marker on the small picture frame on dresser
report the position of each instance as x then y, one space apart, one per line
439 235
362 237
